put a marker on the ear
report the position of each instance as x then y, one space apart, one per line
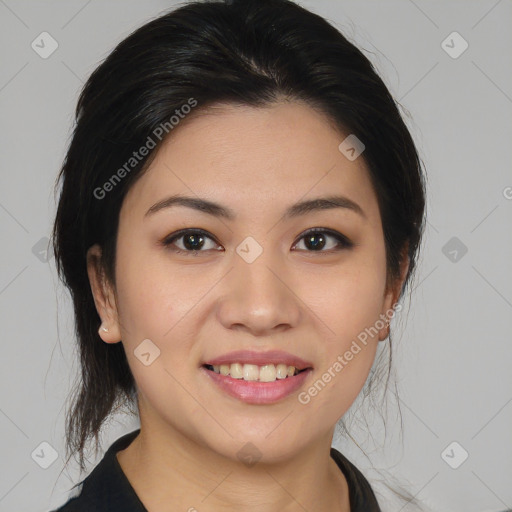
392 293
104 297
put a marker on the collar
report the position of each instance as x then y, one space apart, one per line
108 489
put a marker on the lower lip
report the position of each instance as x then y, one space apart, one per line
255 392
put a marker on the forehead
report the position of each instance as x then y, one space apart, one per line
253 158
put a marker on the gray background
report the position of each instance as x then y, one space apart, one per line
454 350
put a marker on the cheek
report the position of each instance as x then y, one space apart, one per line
348 305
145 307
153 306
149 297
159 304
348 298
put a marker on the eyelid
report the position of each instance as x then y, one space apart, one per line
343 240
169 240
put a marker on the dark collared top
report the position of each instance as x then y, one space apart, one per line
106 488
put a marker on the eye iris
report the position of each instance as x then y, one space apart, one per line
310 243
191 239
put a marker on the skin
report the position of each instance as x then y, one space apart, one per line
311 303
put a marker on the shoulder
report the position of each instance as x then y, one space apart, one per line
72 505
69 506
106 487
79 502
362 497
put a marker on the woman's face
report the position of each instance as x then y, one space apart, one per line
254 281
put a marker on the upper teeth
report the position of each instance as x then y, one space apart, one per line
265 373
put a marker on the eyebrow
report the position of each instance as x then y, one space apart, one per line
217 210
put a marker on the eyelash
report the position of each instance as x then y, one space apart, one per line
343 241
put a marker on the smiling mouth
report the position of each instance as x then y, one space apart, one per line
252 372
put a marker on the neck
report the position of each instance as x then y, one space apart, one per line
170 472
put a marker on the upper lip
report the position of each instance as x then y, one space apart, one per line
261 358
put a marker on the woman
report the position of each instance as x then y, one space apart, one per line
240 214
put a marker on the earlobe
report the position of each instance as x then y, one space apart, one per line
387 314
104 299
107 336
384 332
393 294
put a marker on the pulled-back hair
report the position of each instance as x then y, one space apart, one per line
240 52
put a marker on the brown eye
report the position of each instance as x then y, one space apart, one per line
195 241
190 241
315 240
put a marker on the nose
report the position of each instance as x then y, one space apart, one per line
257 298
